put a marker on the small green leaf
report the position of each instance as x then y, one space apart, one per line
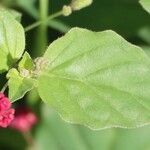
18 85
12 40
145 4
97 79
26 62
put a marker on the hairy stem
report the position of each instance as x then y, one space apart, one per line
36 24
29 139
41 38
4 87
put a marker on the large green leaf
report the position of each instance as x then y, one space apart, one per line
12 40
53 133
17 15
145 4
97 79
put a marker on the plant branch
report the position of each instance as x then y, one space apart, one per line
4 87
29 139
36 24
41 39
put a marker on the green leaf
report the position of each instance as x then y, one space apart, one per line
28 6
16 14
136 139
26 62
145 4
12 40
18 85
53 133
97 79
56 134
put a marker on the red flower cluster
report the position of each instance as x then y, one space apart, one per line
24 119
6 112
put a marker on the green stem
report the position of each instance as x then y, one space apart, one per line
36 24
30 141
44 4
41 38
4 87
28 137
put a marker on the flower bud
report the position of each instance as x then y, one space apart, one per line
41 63
67 10
79 4
4 104
25 73
6 112
6 117
24 120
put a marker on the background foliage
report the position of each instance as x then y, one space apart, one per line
127 18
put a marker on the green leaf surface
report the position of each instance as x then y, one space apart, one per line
145 4
12 40
18 85
97 79
26 62
16 14
135 139
53 133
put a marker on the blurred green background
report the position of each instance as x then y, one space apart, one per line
127 18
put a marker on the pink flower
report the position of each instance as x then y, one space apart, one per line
6 112
24 120
6 117
4 104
